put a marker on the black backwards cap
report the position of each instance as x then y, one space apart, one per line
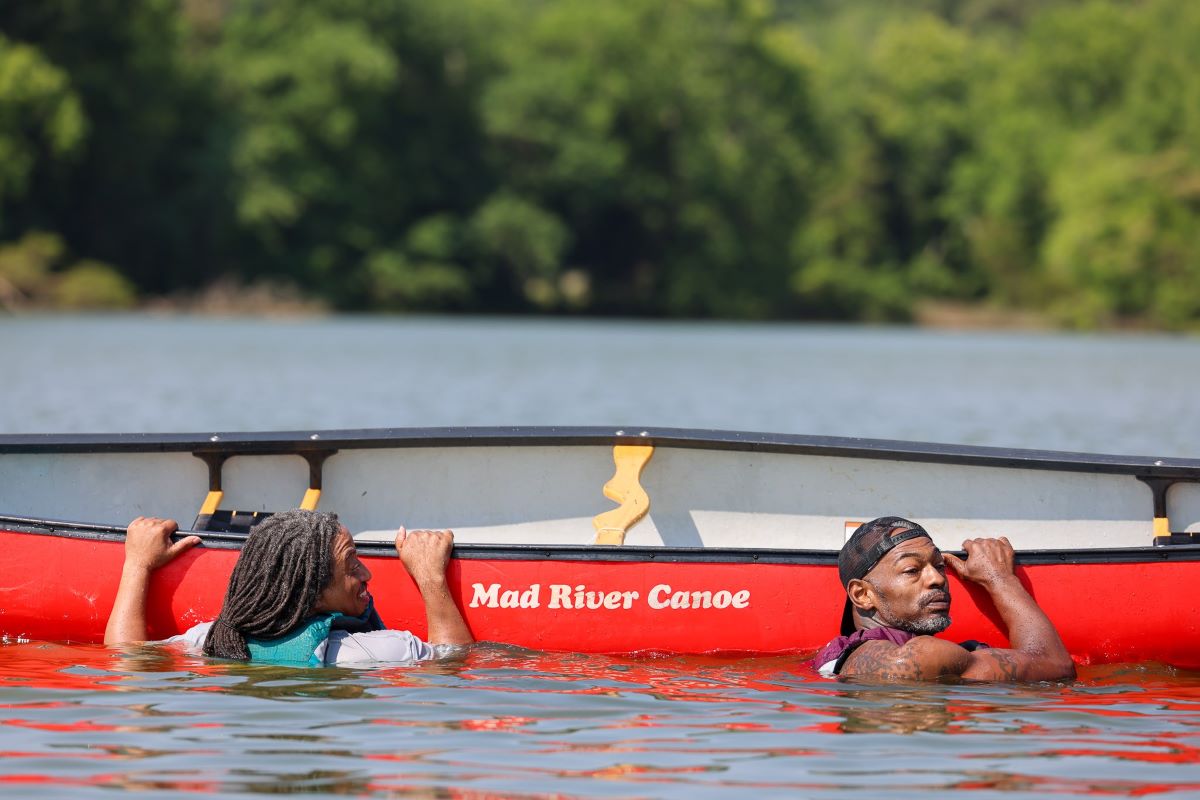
870 542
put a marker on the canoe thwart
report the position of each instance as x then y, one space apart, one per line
624 487
316 462
311 498
1162 523
235 521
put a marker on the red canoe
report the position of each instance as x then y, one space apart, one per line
703 579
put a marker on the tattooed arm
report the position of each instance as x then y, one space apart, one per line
921 659
926 658
1037 652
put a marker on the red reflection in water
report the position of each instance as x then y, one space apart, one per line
1179 754
82 725
482 724
34 754
53 666
697 679
496 724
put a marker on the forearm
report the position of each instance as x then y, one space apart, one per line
127 622
1030 632
445 621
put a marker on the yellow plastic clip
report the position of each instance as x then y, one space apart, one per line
211 502
625 488
1162 526
311 498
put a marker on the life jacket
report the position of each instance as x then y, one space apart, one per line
300 646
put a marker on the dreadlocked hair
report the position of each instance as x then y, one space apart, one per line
285 564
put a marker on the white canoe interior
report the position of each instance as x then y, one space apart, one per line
548 494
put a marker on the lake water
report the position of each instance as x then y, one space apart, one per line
83 721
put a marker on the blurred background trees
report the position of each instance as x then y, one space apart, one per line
803 159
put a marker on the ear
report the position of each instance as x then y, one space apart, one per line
862 595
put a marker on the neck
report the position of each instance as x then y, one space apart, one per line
864 623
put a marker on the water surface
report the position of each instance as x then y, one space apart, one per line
1102 393
83 721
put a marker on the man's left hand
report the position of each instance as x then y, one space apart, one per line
989 561
148 543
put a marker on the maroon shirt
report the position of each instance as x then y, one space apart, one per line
840 648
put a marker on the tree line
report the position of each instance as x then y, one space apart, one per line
806 159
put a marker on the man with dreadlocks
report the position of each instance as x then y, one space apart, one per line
897 598
298 594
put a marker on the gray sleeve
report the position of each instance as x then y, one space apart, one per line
192 638
343 648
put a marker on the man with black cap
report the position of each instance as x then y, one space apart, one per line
897 597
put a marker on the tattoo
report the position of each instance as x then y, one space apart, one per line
1007 666
927 659
885 661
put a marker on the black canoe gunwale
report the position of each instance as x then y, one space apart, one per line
86 531
301 442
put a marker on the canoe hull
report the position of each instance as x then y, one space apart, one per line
1112 606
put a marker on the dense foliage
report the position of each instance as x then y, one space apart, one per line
807 159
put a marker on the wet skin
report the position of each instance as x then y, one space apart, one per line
907 589
347 589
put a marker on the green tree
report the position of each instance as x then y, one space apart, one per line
675 141
1077 197
354 123
41 122
1126 243
145 188
882 233
93 285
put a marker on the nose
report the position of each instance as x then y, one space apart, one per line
934 577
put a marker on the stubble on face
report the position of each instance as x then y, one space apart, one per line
925 625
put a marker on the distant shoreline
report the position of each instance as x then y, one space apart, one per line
272 301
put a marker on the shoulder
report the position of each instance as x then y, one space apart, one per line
920 658
344 648
833 656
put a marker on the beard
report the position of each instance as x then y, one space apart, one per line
926 626
921 626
